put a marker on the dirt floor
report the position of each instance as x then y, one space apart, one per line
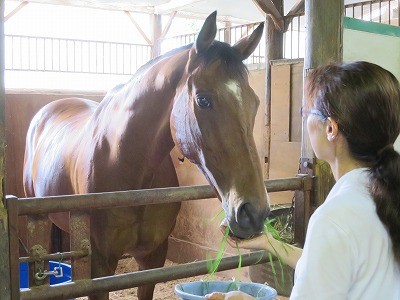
163 291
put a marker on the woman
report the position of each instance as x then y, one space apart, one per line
352 247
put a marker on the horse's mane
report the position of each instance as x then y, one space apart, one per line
230 58
218 50
161 57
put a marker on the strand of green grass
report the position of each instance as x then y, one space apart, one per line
212 266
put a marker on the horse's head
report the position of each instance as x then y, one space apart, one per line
212 124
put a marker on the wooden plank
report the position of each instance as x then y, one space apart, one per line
296 89
269 7
280 103
273 50
284 163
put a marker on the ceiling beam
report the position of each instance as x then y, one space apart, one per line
168 25
268 7
298 8
138 28
15 10
173 5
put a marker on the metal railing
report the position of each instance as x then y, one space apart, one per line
380 11
47 54
229 35
79 232
29 53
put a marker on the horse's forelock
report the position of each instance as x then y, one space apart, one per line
229 58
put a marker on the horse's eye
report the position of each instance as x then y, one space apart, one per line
203 102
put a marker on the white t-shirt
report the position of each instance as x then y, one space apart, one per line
348 252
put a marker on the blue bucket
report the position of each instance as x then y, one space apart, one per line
24 274
198 289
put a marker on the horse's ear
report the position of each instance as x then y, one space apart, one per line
207 33
248 44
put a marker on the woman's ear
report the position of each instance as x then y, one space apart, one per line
332 129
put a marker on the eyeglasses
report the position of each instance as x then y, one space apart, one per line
314 112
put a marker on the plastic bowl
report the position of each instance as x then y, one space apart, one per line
198 289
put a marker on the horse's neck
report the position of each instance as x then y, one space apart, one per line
139 112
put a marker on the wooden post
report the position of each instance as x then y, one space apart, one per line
80 240
273 50
156 35
5 269
227 32
324 44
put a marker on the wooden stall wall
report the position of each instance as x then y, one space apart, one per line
286 96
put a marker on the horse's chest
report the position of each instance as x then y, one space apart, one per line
136 228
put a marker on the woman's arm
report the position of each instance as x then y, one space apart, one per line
287 253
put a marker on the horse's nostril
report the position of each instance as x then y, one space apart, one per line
248 217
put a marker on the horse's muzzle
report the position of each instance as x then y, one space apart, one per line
247 221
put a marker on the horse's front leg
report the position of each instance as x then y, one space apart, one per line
155 259
102 266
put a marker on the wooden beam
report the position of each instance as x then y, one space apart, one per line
324 44
156 35
138 28
173 5
269 8
168 25
273 50
297 9
15 10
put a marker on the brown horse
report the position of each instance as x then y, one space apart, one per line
196 97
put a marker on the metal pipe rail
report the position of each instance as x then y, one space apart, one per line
135 279
57 256
41 205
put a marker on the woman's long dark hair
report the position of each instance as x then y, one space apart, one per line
364 99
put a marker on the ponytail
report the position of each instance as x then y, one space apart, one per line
385 190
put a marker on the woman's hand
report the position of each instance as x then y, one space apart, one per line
234 295
288 254
261 242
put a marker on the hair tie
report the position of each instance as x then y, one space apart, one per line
384 149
